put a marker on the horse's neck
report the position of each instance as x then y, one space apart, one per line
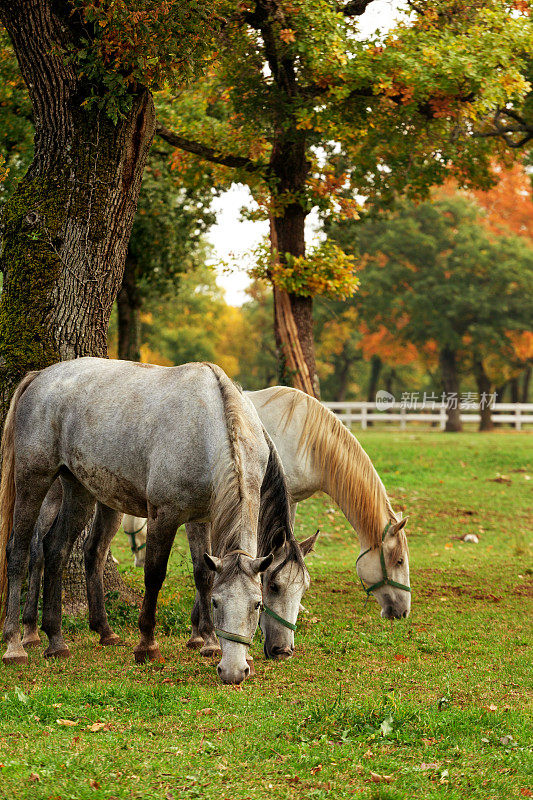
352 504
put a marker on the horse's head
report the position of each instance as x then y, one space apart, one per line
236 600
384 572
284 584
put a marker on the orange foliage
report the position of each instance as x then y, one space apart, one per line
388 347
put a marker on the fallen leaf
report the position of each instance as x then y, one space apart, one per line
368 754
96 726
34 777
314 619
491 707
205 711
526 792
69 723
94 784
375 777
399 657
316 769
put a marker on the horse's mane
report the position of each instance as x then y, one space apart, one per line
353 481
228 490
275 525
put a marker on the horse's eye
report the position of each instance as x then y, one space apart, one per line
215 604
274 588
258 605
399 562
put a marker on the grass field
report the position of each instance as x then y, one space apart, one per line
435 706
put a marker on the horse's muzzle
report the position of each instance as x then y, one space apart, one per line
280 653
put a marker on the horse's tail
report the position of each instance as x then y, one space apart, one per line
7 484
228 491
275 524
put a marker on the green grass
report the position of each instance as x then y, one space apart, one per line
438 702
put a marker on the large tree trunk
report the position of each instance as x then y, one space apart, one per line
65 230
450 385
129 325
483 386
515 390
293 313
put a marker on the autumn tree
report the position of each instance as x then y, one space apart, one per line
434 274
317 114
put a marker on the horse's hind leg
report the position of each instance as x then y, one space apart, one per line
161 534
30 494
105 524
76 510
203 633
47 514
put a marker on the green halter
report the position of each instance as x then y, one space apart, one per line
385 581
284 622
133 534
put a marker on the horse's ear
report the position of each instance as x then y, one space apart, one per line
398 526
261 564
214 564
307 545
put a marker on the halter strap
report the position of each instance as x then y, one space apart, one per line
233 637
284 622
385 581
133 534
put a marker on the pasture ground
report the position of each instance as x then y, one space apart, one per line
437 703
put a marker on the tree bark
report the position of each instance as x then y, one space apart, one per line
129 324
450 385
66 228
293 313
515 390
486 422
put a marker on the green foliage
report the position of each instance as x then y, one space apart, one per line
141 43
434 273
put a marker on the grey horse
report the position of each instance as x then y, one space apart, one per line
200 455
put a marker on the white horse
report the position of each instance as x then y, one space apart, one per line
320 454
176 444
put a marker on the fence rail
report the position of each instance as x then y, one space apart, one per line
515 414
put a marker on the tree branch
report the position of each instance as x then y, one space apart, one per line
355 8
209 153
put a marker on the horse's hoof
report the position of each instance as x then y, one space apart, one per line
110 639
15 656
209 650
144 654
195 643
62 652
32 640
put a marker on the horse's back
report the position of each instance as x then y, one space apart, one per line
127 430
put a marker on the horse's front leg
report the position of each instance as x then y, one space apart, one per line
203 634
106 523
161 532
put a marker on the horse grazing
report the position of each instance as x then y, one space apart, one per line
181 444
318 454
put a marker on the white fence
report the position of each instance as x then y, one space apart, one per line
516 414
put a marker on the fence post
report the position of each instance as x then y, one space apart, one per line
518 418
364 422
442 420
402 421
